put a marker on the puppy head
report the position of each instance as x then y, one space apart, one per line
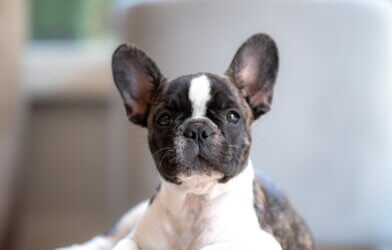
198 124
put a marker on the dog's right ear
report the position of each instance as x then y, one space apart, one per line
137 78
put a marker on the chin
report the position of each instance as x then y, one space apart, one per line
199 183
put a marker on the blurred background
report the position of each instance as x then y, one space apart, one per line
71 163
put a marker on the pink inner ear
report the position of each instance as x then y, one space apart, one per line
141 95
248 74
259 98
249 77
250 83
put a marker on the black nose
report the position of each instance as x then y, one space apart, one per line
198 131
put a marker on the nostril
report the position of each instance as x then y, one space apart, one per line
189 133
198 132
204 134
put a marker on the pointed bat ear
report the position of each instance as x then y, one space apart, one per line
253 70
137 78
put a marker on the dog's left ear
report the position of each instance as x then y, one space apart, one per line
253 70
137 78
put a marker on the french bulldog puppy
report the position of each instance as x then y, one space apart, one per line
199 134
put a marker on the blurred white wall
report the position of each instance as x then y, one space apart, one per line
12 31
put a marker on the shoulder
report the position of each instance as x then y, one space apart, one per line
277 216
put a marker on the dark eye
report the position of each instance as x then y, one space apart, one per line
232 117
164 119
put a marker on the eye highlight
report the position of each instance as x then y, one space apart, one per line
232 117
164 119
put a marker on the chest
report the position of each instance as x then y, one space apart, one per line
197 222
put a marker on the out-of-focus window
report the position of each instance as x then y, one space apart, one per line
70 20
68 39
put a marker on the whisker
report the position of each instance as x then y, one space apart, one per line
168 153
162 149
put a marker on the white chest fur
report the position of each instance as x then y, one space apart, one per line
203 213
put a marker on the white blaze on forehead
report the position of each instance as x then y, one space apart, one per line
199 95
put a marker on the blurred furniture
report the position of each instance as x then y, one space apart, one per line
328 139
64 196
11 42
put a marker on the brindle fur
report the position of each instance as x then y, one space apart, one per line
278 217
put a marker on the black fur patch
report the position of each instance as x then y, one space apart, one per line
226 151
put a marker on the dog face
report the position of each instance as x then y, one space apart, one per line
198 124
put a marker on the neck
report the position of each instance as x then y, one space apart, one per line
203 189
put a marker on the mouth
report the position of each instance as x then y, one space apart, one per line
210 152
187 158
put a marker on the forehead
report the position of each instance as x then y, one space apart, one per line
198 88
